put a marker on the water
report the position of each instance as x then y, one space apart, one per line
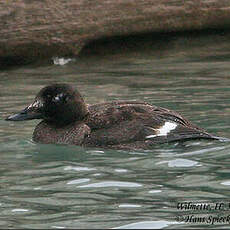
51 186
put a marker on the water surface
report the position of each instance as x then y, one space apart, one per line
51 186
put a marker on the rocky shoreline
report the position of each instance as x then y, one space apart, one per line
38 29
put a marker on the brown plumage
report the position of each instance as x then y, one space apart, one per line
120 124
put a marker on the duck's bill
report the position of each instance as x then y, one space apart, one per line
26 114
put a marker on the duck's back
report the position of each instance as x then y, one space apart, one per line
133 124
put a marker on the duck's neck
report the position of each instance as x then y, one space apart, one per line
67 121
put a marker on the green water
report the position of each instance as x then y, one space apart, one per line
51 186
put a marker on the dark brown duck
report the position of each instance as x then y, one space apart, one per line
67 119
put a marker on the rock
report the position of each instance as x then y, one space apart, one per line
31 29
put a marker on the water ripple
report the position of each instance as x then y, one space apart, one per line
111 184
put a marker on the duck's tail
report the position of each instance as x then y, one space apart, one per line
222 139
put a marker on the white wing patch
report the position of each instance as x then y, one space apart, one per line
163 130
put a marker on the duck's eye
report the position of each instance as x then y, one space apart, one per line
58 97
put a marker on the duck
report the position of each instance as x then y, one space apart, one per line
67 119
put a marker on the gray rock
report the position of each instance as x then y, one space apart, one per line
37 29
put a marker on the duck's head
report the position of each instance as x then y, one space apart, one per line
59 104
